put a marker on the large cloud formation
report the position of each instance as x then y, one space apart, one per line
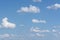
31 9
5 23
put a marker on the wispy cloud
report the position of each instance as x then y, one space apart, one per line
31 9
22 25
38 32
5 23
37 0
6 35
55 6
36 29
40 35
38 21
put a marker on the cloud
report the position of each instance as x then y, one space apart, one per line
6 35
36 29
37 32
40 35
38 21
0 25
56 26
5 23
37 0
12 36
55 6
54 30
31 9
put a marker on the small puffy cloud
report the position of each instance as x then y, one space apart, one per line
5 23
55 6
37 0
31 9
38 30
38 21
54 30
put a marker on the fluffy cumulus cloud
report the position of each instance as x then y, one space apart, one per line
55 6
37 0
31 9
5 23
38 21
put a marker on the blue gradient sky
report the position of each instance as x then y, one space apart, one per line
23 20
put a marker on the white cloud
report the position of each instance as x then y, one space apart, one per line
54 30
40 35
36 29
37 32
5 23
37 0
0 25
55 6
4 36
31 9
38 21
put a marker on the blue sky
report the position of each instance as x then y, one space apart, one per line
29 20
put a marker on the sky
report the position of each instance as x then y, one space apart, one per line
29 19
